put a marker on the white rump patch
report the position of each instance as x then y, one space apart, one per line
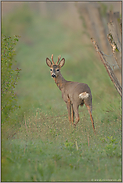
83 95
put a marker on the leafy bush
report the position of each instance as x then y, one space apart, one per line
8 76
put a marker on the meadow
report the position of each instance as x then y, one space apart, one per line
38 143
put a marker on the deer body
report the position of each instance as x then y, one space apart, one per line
73 93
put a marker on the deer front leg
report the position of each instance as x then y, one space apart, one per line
69 110
75 108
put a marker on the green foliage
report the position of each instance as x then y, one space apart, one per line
8 75
69 145
111 147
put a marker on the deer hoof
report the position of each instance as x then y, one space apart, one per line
74 125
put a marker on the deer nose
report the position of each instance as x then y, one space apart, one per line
53 75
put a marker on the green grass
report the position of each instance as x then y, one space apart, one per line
39 144
49 149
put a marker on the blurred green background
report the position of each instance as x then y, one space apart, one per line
38 144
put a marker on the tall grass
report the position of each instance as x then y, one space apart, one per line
45 147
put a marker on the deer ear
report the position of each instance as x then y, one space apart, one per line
62 62
48 62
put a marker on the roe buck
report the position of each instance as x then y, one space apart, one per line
73 93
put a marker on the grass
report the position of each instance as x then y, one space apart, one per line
49 149
39 144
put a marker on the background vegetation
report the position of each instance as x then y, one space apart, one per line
9 76
38 143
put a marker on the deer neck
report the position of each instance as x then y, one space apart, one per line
60 81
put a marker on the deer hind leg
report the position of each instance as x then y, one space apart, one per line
75 108
69 110
89 107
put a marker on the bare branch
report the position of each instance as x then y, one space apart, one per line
113 46
108 68
113 32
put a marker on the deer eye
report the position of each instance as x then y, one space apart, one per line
57 69
50 69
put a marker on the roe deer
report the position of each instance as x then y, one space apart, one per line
73 93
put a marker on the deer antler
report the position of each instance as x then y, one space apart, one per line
58 59
52 59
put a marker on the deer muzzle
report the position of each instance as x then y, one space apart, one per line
53 75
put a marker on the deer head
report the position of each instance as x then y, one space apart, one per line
55 68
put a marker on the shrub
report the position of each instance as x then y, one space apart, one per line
8 76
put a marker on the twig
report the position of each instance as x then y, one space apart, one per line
76 145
